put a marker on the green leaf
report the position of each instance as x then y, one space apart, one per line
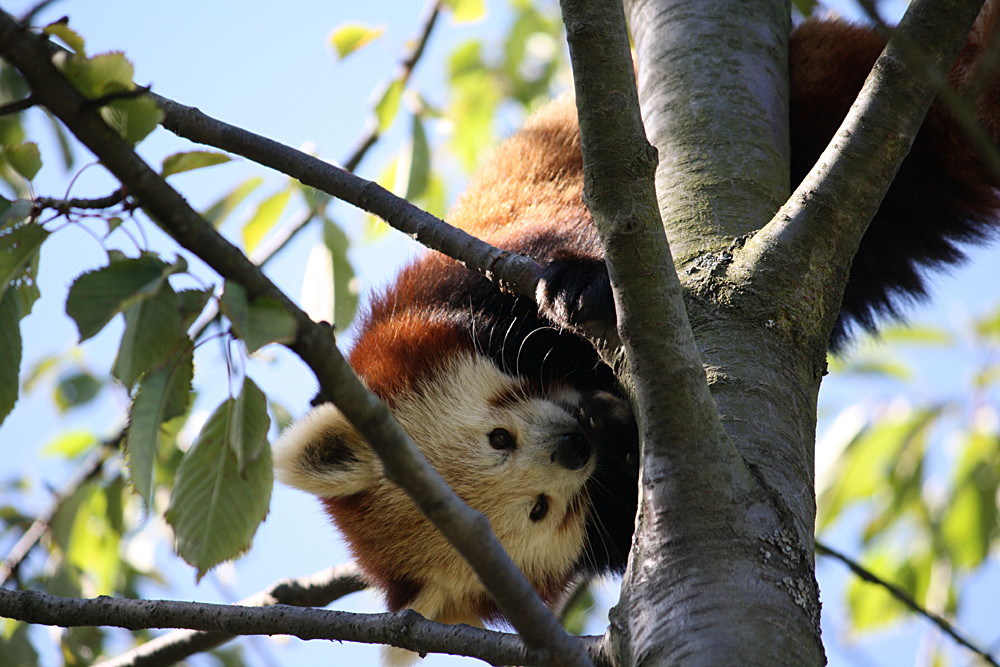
15 644
24 158
75 389
154 335
133 118
248 429
181 162
13 212
17 248
100 75
215 510
388 106
10 351
414 164
70 444
263 219
67 35
467 11
344 282
350 37
257 322
161 396
97 296
217 212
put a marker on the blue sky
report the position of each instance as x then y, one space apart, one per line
267 66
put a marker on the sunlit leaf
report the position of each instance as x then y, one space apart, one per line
70 444
133 118
388 106
67 35
24 158
187 161
161 396
350 37
345 285
220 210
97 296
467 11
215 510
264 219
99 75
94 546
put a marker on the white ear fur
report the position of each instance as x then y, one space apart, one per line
323 455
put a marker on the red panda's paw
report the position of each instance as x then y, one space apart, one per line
575 293
608 423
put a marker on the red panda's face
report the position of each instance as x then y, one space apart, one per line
513 451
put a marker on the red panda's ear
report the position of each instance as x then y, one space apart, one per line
323 455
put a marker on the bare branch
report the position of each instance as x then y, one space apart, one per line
405 629
467 530
513 272
316 590
64 206
895 591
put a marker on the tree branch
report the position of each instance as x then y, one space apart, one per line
316 590
405 629
895 591
467 530
841 194
513 272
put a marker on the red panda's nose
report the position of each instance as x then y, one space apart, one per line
572 451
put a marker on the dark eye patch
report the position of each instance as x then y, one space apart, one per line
540 508
501 438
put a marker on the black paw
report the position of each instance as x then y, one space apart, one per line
575 292
608 423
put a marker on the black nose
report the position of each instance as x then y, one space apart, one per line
572 451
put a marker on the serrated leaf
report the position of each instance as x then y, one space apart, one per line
181 162
248 428
467 11
154 334
217 212
17 247
97 296
344 283
257 322
68 36
350 37
263 219
24 158
192 302
214 510
133 118
161 396
388 106
10 351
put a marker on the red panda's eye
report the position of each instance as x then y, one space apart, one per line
540 509
500 438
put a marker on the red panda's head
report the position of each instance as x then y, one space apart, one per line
512 449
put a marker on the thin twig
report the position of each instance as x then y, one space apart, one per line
64 206
18 106
895 591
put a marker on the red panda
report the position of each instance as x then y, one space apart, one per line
519 414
